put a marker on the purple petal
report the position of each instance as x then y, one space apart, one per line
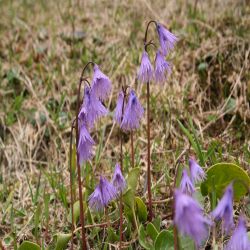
189 218
224 209
186 185
132 114
162 68
118 109
146 71
92 107
101 85
166 38
85 144
118 180
196 172
239 239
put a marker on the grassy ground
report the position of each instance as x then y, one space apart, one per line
43 47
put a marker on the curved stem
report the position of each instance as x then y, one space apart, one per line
147 44
71 186
146 32
84 245
84 68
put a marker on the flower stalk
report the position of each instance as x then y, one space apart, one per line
84 244
71 187
124 89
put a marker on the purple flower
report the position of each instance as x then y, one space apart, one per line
118 180
239 239
146 71
166 38
186 185
92 108
224 209
196 172
101 85
189 218
102 195
133 113
162 68
85 144
118 109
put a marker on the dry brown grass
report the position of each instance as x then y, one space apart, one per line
210 83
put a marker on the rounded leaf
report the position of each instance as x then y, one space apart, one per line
220 175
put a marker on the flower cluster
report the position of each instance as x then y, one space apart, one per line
189 217
197 174
90 111
106 191
128 114
162 68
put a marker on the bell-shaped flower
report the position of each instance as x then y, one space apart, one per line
166 38
162 68
101 84
102 195
85 144
92 107
196 172
239 239
224 209
146 71
118 180
119 107
186 185
189 218
132 113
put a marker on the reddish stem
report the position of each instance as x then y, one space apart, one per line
148 157
121 163
84 244
71 187
132 149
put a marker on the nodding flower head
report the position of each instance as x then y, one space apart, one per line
224 209
166 38
118 180
101 84
102 195
239 239
162 68
132 114
92 107
186 185
196 172
85 144
118 109
146 71
189 219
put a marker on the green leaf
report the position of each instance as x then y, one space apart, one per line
143 239
157 223
152 231
141 209
186 243
76 208
132 179
112 236
129 198
62 241
27 245
193 140
221 175
164 240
